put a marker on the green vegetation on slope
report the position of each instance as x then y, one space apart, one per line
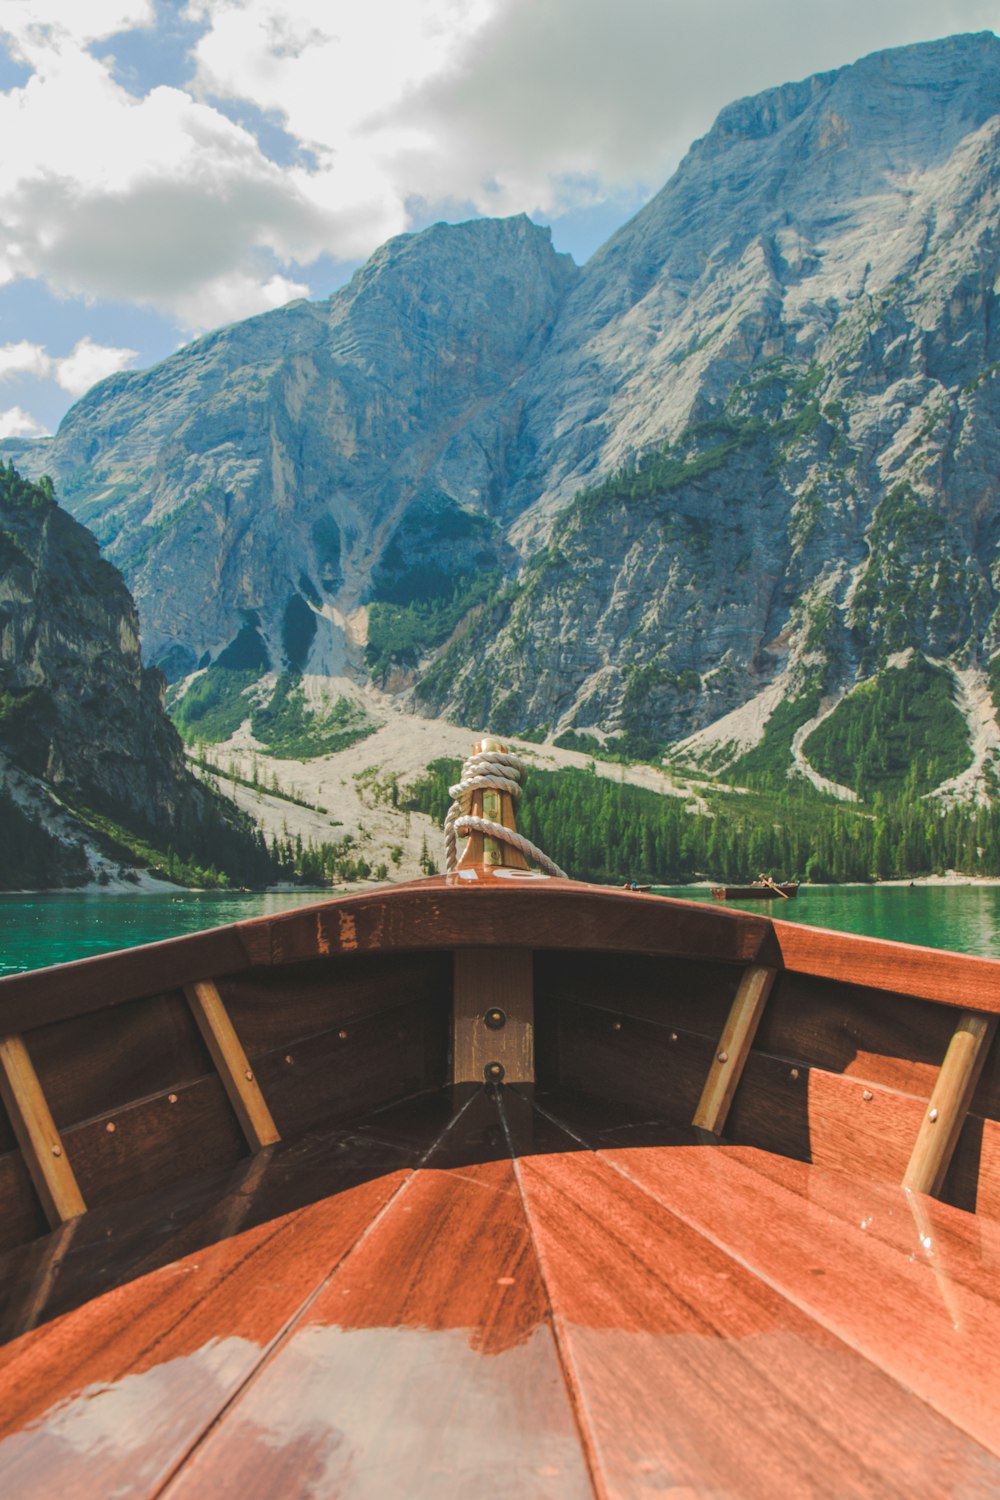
603 830
292 731
399 634
215 704
767 763
900 730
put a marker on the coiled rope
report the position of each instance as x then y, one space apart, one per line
495 770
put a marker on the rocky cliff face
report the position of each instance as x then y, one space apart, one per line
751 447
79 714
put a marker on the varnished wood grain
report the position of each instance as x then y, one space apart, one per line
426 1367
274 1008
733 1048
485 980
696 1376
949 1103
156 1142
101 1061
41 1144
232 1065
879 1300
166 1353
956 979
22 1217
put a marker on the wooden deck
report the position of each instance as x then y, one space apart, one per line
560 1299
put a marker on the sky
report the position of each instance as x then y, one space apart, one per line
173 165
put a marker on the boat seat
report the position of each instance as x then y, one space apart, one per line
546 1301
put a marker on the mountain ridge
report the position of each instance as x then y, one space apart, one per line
752 442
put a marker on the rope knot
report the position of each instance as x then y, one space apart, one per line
494 770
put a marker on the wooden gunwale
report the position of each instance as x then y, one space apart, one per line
450 913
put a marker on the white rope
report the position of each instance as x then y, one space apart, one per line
495 770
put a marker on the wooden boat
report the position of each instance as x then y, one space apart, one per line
772 890
501 1184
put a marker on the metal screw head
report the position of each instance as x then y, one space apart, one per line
248 1075
493 1072
171 1098
932 1115
673 1036
867 1096
342 1035
111 1127
495 1018
57 1151
793 1073
616 1026
723 1057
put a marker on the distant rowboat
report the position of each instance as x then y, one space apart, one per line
759 891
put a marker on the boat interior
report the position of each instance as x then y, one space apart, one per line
625 1195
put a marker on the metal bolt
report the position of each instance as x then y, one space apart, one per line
248 1075
171 1098
616 1026
342 1035
932 1116
723 1057
495 1019
57 1151
288 1058
794 1073
673 1036
493 1072
867 1096
111 1127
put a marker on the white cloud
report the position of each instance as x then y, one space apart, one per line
89 363
15 422
158 198
24 359
75 372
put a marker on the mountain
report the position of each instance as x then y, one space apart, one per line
91 769
701 490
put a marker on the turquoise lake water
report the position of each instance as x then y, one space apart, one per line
52 929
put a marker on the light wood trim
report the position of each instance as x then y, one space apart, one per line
487 979
733 1049
37 1135
231 1062
949 1103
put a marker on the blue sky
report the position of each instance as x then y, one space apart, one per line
172 165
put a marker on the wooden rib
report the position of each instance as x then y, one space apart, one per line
37 1135
949 1103
230 1059
487 979
733 1049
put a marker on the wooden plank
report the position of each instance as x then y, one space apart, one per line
949 1103
955 979
273 1008
43 995
493 1016
733 1049
186 1133
227 1052
37 1135
877 1291
90 1065
492 911
364 1063
118 1242
695 1376
166 1352
426 1368
498 807
23 1218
